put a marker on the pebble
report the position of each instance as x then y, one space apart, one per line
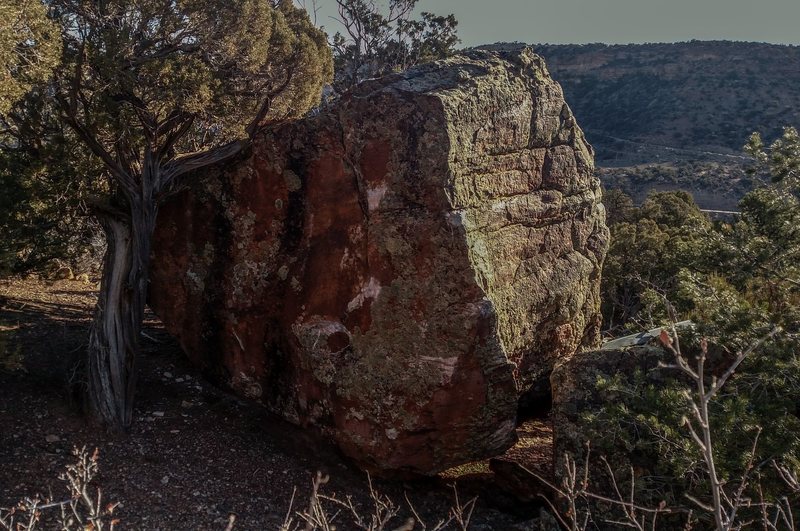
158 413
165 480
167 374
52 438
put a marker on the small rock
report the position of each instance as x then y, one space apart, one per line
158 413
167 374
165 480
185 403
64 273
179 380
52 438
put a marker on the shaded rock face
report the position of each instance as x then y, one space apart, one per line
398 269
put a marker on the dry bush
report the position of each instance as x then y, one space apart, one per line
84 510
326 512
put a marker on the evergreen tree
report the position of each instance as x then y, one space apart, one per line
30 48
156 89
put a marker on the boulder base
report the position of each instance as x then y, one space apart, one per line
398 269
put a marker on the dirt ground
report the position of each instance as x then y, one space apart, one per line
196 454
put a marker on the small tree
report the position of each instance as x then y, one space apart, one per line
377 41
650 244
157 89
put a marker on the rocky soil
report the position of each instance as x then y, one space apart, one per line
195 454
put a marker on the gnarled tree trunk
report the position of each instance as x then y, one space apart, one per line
115 331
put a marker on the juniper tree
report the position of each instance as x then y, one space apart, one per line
30 47
157 89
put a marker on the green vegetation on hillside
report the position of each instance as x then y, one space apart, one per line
698 95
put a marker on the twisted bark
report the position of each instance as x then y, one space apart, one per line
114 335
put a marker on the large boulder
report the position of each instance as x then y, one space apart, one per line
398 269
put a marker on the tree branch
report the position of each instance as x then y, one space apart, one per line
179 167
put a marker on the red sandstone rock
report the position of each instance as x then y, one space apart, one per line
398 269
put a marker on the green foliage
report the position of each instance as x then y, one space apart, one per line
47 180
174 78
185 76
783 158
649 246
42 212
376 42
736 281
30 48
643 419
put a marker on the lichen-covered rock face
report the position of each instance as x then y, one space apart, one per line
398 269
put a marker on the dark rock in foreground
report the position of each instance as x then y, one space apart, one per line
399 269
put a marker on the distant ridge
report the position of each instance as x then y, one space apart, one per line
698 96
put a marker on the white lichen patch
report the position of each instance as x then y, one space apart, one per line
371 290
293 182
455 218
374 196
446 366
249 275
352 413
196 283
247 385
348 261
283 272
356 233
313 334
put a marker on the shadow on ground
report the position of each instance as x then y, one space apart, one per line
195 453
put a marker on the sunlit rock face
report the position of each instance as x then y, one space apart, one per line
398 269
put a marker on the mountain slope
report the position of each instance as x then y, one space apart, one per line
703 97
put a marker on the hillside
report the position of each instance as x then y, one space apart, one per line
651 105
697 96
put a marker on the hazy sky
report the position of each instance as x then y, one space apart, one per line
613 21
